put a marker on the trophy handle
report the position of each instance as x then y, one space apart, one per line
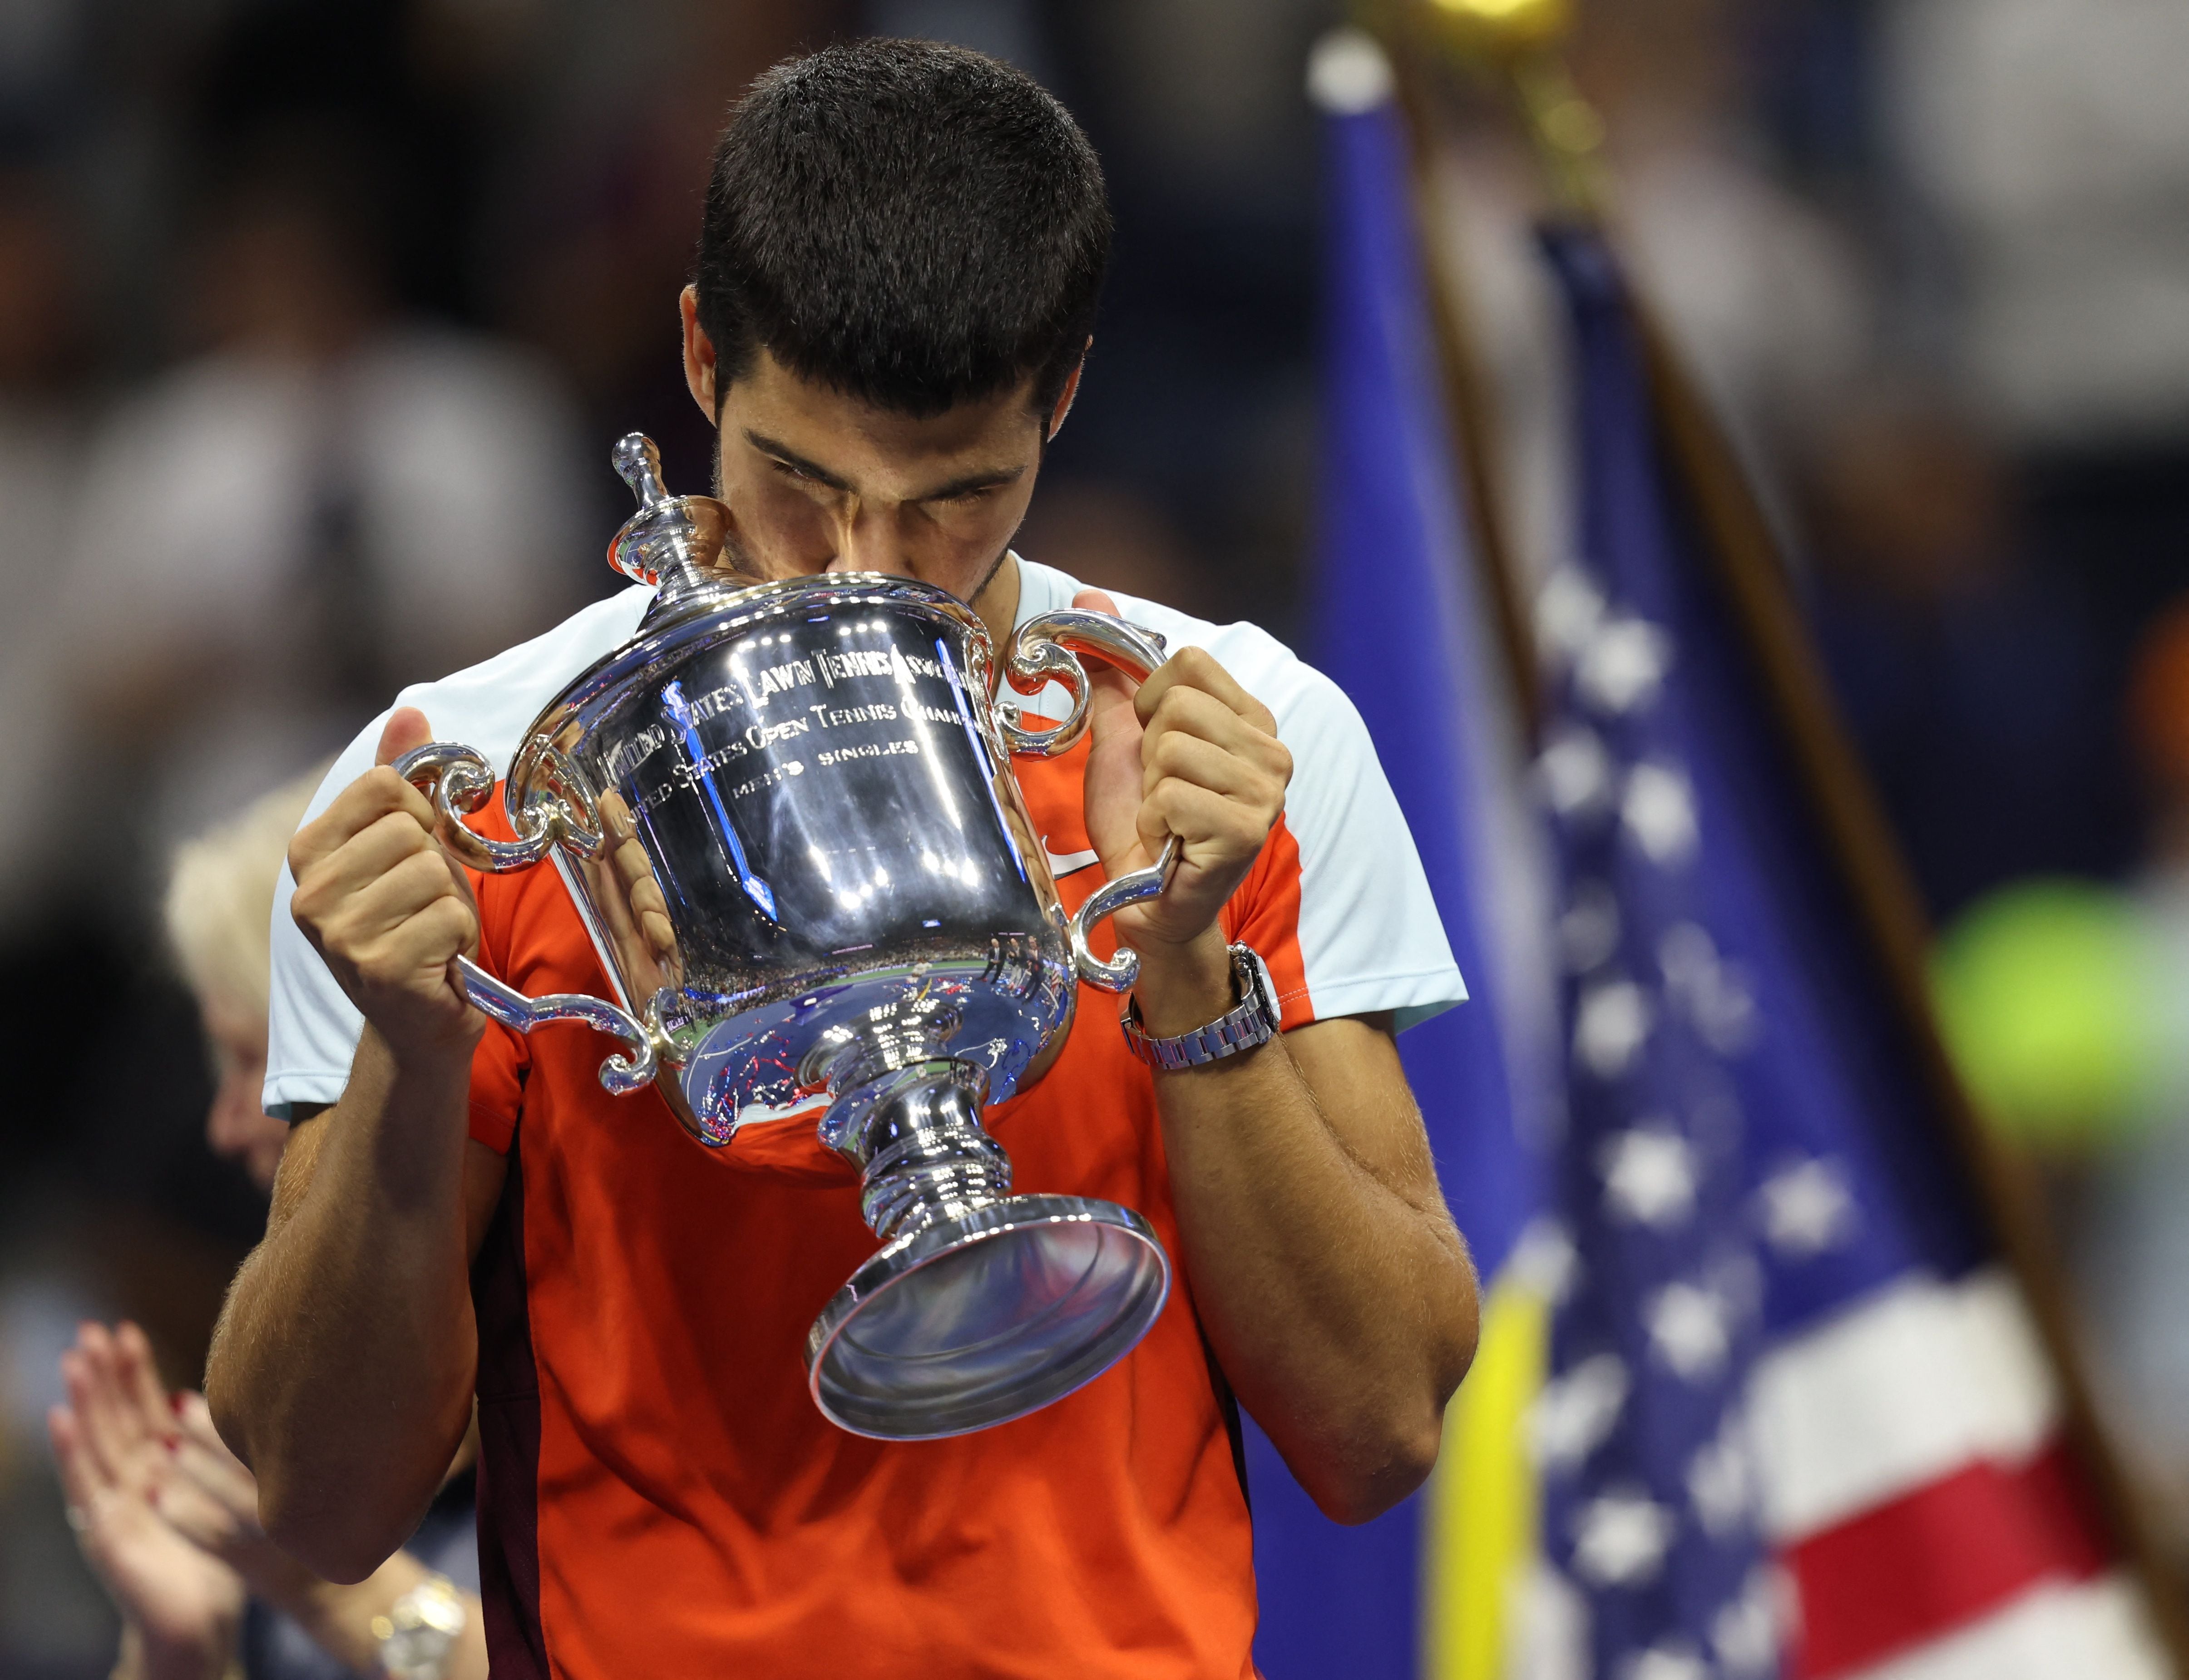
1048 648
504 1003
459 780
1119 974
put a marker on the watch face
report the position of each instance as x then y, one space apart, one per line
1264 994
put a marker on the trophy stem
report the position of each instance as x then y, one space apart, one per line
922 1150
980 1305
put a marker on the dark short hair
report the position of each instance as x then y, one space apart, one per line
914 224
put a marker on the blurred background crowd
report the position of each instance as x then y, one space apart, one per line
317 319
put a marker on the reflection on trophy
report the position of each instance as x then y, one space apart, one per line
786 815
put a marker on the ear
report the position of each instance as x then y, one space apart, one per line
699 355
1068 396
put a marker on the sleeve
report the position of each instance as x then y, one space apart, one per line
1338 905
312 1028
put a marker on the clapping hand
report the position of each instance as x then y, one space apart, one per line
117 1440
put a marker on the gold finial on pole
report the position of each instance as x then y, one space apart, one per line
1520 41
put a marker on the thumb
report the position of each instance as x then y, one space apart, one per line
1095 601
406 729
1111 686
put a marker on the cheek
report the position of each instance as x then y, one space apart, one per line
963 540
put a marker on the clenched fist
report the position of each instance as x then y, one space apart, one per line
388 909
1193 755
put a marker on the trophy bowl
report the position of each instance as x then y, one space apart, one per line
786 814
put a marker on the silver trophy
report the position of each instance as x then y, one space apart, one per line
786 813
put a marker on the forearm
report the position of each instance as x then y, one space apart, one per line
1343 1314
143 1658
343 1368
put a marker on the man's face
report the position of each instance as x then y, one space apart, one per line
818 481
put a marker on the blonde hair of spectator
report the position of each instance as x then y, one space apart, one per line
220 898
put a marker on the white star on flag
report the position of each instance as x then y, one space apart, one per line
1544 1261
1649 1176
1721 1481
1575 1412
1575 770
1709 991
1610 1024
1674 1660
1623 664
1567 612
1659 810
1621 1538
1588 931
1806 1208
1746 1632
1690 1329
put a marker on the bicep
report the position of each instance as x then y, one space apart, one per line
1351 1066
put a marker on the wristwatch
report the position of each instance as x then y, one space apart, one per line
420 1630
1256 1020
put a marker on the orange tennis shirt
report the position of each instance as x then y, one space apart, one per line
659 1494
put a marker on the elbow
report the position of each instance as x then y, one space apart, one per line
1390 1458
341 1544
1384 1465
341 1540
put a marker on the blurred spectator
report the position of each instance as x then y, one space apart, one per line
1971 680
1766 297
219 904
328 502
2131 1244
2048 142
42 352
166 1515
2051 137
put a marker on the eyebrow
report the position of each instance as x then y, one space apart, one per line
956 487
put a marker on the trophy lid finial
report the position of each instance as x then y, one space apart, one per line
672 542
638 464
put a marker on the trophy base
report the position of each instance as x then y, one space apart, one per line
985 1315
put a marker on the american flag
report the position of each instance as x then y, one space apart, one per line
1795 1421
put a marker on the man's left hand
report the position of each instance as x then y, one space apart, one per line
1190 754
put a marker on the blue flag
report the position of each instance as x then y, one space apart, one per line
1390 619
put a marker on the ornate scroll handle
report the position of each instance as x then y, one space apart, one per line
1119 974
1048 649
458 780
520 1014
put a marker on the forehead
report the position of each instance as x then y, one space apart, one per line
859 442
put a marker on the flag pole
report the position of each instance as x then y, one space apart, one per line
1474 433
1520 41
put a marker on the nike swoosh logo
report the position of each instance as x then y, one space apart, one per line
1069 863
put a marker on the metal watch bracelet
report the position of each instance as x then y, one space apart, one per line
1255 1020
419 1633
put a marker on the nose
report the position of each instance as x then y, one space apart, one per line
233 1118
870 540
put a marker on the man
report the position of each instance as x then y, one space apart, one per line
897 276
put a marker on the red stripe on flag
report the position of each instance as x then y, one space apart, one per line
1905 1573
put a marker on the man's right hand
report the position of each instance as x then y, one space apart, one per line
387 907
